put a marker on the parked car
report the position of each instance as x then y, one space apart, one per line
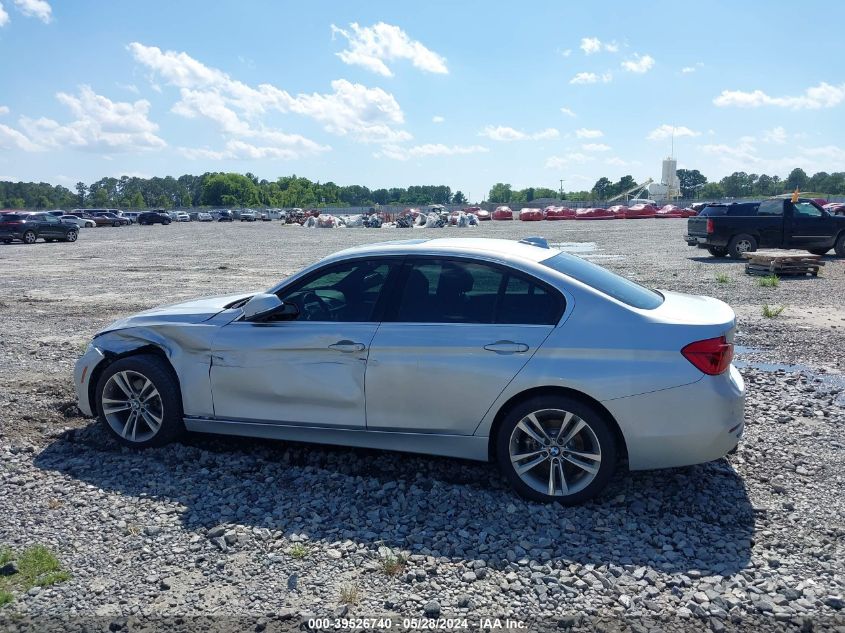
226 216
265 216
835 208
247 216
503 213
153 217
182 216
78 222
486 349
106 218
29 227
132 216
742 227
204 216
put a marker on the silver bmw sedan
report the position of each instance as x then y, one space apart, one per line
514 352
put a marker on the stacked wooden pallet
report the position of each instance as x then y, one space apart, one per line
783 263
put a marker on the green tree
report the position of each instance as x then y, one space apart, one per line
229 190
459 198
500 192
80 192
797 179
602 188
712 191
690 181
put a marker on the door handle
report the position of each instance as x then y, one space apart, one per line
347 347
506 347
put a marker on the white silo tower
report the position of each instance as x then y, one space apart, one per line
670 177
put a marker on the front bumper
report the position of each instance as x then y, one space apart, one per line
684 425
82 377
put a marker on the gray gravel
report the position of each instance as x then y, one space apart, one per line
273 532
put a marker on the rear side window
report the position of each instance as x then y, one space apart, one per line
711 211
770 207
460 291
11 217
604 281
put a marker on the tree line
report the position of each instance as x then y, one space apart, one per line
219 189
215 190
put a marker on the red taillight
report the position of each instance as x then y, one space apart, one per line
712 356
710 228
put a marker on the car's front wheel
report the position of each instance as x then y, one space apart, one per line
71 236
554 448
138 401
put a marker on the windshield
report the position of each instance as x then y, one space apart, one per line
604 281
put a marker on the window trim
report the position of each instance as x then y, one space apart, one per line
381 302
390 315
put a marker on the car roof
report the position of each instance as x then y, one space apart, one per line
510 249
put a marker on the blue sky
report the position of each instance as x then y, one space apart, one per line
392 93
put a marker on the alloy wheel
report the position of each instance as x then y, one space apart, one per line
132 406
743 246
29 237
555 452
71 236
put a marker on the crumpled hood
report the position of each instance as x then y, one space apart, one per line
195 311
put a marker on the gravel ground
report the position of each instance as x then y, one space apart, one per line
230 533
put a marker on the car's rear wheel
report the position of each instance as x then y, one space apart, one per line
839 248
717 251
29 237
554 448
138 401
71 236
741 244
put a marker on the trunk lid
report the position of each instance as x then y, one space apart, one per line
697 226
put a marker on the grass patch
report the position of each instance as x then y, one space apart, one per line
393 565
37 567
770 312
769 281
350 594
723 278
298 550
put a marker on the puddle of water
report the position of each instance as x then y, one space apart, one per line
826 382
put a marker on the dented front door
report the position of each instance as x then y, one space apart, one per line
293 372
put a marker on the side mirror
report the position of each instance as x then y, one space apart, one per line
263 306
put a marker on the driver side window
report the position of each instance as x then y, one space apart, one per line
806 210
344 293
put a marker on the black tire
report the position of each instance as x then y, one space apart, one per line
49 239
601 433
165 382
717 251
115 223
29 237
71 236
818 251
7 241
839 247
742 243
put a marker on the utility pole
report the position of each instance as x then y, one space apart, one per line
561 188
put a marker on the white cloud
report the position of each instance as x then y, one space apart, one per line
4 110
822 96
4 17
776 135
35 8
639 64
591 78
398 152
567 52
437 119
572 158
595 147
370 47
686 70
504 133
615 161
665 131
10 138
100 125
587 133
592 45
369 115
568 112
